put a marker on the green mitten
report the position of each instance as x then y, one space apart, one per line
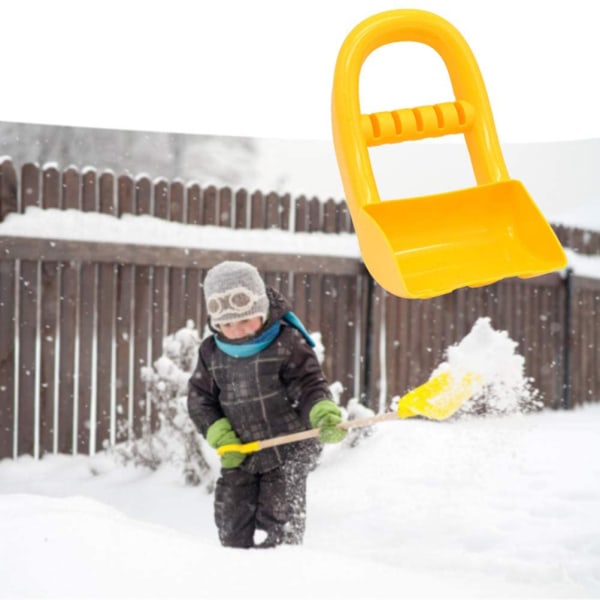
326 415
221 433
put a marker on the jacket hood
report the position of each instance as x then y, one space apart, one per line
278 305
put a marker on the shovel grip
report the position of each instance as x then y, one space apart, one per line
351 128
410 124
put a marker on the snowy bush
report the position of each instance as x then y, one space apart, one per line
170 437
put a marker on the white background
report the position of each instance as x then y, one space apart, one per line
264 68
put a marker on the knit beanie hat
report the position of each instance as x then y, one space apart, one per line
234 290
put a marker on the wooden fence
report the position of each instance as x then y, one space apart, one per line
78 319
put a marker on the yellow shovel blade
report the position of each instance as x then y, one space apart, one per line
431 245
439 398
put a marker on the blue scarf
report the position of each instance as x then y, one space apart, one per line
257 344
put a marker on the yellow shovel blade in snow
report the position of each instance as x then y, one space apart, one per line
437 399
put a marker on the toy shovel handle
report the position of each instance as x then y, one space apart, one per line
470 113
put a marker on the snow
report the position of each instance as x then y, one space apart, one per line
582 264
496 506
144 229
490 358
57 224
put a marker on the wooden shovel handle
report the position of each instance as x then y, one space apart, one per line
251 447
438 398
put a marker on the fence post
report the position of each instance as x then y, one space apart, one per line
366 363
568 319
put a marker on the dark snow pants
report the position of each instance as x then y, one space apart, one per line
274 502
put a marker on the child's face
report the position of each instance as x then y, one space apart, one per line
236 330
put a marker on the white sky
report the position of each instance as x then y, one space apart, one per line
263 68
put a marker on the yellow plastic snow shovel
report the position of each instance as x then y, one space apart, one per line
427 246
438 399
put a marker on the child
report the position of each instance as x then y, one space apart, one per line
257 377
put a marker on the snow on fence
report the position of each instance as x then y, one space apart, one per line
78 319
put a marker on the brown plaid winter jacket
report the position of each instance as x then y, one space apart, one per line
264 395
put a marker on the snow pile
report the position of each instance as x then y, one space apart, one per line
492 357
583 265
55 224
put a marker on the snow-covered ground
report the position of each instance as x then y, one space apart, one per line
472 507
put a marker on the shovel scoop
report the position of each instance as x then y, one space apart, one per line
428 246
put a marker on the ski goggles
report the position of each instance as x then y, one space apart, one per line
238 300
